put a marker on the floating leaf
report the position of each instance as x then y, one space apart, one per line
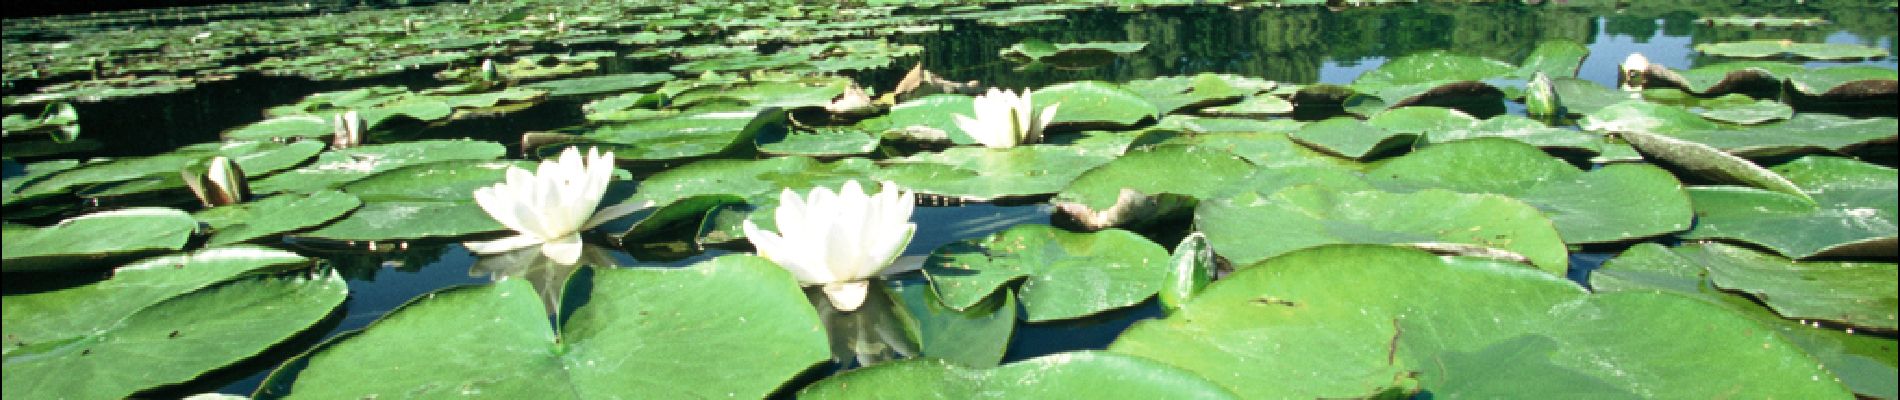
159 322
1350 137
1088 374
1852 211
273 215
1066 275
601 84
1382 319
1864 363
1251 227
975 337
981 173
334 168
97 237
1616 202
635 322
1094 103
1776 47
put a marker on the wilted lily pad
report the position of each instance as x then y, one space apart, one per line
97 237
1065 274
1088 374
1145 184
635 323
160 321
1389 320
1250 227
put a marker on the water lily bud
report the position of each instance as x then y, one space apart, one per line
408 25
1541 99
223 183
348 130
489 73
1635 70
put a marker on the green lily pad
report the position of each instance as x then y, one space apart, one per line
1638 123
824 142
756 182
981 173
1169 94
1852 293
1350 137
159 322
1094 103
452 180
672 138
635 323
1762 22
1853 210
1156 171
1584 96
1087 374
976 337
1034 49
1774 48
256 158
1431 67
132 287
1845 81
601 84
1253 106
405 220
31 173
1066 275
1381 319
1724 77
1804 132
334 168
289 126
1250 227
272 215
1613 203
1866 364
1523 130
1738 108
931 118
97 237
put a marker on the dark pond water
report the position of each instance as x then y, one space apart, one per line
1299 45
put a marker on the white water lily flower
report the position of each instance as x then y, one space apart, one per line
838 240
1004 120
551 206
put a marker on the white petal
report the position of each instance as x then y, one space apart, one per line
494 200
773 247
564 250
615 211
847 296
980 132
502 245
1042 121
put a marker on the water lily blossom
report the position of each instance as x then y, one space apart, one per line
838 240
1004 120
551 206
